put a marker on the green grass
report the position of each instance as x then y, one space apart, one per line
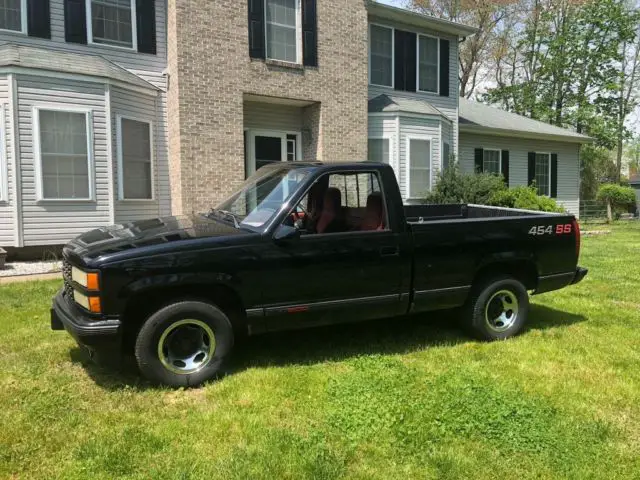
394 399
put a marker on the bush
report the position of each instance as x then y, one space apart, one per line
454 186
620 198
526 198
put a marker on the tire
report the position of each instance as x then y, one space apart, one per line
184 344
497 308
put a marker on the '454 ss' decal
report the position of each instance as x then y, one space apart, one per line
550 230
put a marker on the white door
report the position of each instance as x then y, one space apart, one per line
266 147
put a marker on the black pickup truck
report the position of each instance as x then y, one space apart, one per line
299 245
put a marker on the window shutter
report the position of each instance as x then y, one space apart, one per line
531 171
256 29
444 68
505 166
479 157
405 60
75 21
38 18
309 33
146 25
554 175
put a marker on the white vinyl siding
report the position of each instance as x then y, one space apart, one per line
428 64
135 159
491 161
112 22
13 15
379 150
380 55
8 233
542 173
283 30
62 143
419 155
519 148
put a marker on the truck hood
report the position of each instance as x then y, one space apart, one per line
148 233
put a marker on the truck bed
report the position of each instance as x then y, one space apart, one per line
423 213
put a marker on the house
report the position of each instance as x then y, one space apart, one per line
116 110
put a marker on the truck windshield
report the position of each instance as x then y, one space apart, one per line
262 194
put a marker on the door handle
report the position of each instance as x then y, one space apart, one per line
389 252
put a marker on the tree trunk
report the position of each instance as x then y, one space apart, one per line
609 212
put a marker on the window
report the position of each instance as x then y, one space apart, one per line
381 56
283 19
379 150
135 166
419 153
112 22
64 158
13 15
491 161
542 174
446 154
427 64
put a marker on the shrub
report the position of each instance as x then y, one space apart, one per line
454 186
618 198
526 198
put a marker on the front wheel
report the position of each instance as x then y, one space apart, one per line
497 308
184 344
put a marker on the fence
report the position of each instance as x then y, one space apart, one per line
595 211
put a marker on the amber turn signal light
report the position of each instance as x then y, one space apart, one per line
94 305
92 281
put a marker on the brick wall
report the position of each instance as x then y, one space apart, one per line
210 70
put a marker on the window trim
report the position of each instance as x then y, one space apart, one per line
4 167
134 28
393 55
299 46
23 20
548 154
120 159
37 152
408 160
437 91
499 150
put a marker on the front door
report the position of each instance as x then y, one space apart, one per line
264 147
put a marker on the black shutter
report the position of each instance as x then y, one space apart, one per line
75 21
146 25
531 171
256 29
505 166
38 18
405 61
554 175
309 33
479 160
444 68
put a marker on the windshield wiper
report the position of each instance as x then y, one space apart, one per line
228 214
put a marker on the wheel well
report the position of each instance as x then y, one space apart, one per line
523 270
140 306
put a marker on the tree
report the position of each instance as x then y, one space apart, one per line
617 198
477 52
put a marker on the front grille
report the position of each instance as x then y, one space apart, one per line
66 276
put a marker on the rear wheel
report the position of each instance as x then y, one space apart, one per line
184 344
497 308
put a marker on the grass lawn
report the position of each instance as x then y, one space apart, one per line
394 399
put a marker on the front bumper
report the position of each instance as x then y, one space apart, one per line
87 331
580 274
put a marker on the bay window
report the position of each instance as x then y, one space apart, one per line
419 153
135 159
379 150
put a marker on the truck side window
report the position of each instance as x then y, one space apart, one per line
350 201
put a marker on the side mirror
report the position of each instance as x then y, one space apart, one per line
285 233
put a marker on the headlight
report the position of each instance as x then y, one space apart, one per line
89 281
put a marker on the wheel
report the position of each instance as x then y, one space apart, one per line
497 308
184 344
